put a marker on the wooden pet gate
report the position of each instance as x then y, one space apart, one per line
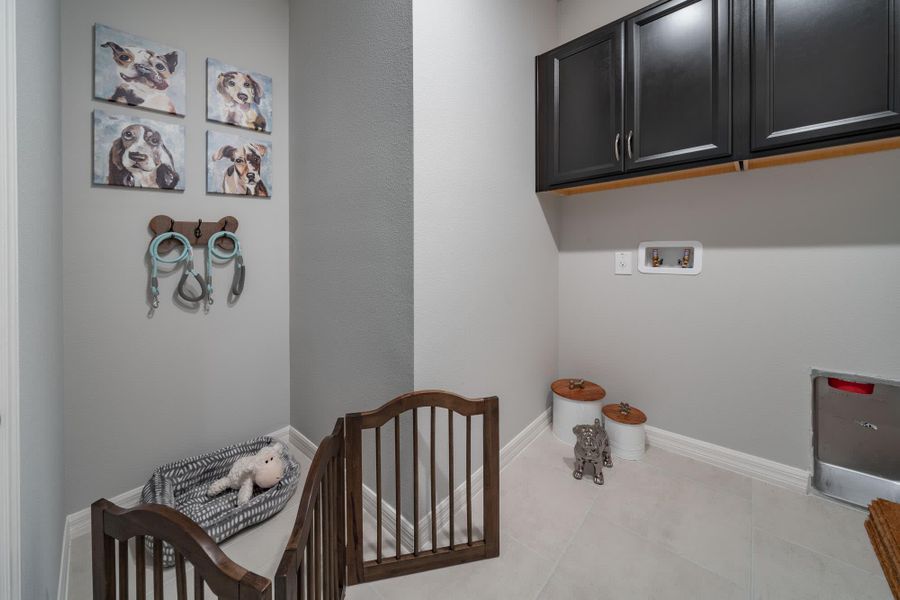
325 551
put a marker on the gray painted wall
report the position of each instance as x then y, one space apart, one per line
40 294
486 258
799 271
141 392
351 210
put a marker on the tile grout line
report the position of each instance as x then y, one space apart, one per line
820 553
571 538
672 551
566 547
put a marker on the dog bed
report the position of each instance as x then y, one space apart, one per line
182 485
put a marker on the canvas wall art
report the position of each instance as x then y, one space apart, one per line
138 153
132 70
238 97
238 165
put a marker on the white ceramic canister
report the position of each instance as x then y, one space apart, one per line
625 427
575 402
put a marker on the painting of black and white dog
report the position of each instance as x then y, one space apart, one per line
138 72
238 166
137 153
238 97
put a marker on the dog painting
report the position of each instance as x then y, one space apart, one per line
137 72
137 153
238 97
238 165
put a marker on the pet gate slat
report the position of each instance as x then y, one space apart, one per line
433 486
415 413
301 575
339 504
310 567
198 586
103 556
140 568
123 569
397 484
326 539
469 478
450 471
327 525
323 494
329 481
337 508
378 493
336 549
317 549
491 470
180 577
157 569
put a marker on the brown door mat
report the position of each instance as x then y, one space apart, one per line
883 527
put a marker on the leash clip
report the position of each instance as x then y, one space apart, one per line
154 291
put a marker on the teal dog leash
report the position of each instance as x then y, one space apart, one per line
186 256
240 271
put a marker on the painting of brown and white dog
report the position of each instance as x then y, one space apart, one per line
136 152
133 71
245 166
238 97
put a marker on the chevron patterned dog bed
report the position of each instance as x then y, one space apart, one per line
182 485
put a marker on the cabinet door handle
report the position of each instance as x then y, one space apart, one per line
628 142
616 146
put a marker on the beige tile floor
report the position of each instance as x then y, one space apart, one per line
660 528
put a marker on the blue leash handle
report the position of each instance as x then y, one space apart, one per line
186 256
237 284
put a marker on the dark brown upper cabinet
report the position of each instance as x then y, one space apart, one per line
713 85
823 68
678 83
583 120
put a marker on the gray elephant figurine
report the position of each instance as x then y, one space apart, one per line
591 446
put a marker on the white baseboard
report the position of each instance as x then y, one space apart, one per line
302 443
731 460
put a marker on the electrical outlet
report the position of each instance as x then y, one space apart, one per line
623 263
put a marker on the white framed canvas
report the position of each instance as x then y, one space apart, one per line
238 97
238 165
139 153
138 72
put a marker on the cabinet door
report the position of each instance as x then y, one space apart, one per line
823 68
585 116
678 83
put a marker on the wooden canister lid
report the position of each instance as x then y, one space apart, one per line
585 391
634 416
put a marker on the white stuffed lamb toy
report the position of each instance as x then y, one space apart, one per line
265 469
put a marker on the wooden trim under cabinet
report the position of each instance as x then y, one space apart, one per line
729 167
763 162
823 153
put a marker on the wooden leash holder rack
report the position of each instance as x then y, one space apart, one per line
198 232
